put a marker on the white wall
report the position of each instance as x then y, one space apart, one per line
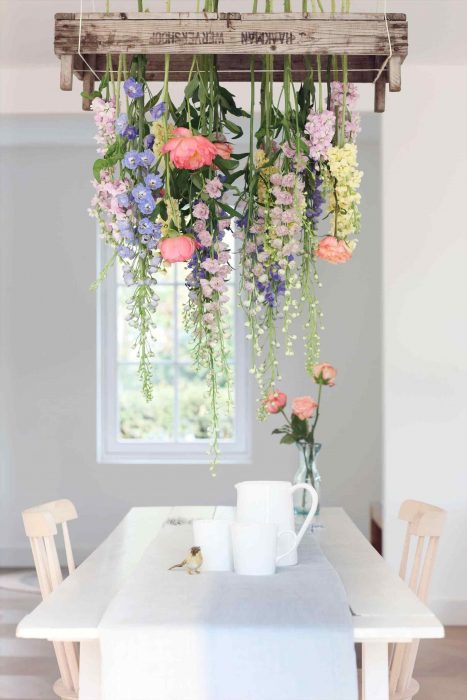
425 307
48 348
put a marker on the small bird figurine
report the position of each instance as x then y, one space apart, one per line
192 563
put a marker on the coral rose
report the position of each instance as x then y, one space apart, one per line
333 250
324 373
177 249
187 151
304 407
275 401
224 150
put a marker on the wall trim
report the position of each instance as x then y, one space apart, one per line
450 611
21 557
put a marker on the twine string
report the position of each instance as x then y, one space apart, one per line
388 58
79 39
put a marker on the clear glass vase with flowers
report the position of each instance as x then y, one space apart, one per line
300 429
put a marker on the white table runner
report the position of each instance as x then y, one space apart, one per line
219 636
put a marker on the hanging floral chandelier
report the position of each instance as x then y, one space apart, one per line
172 188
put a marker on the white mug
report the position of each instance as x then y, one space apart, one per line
254 547
213 536
272 502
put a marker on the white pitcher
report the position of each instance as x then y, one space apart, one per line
272 502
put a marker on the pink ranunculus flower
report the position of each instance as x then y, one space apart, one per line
275 401
333 250
324 373
177 248
304 407
187 151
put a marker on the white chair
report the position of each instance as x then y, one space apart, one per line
40 524
425 524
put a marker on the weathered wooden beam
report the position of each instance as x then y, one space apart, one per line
66 72
88 82
380 94
394 73
196 33
325 16
361 69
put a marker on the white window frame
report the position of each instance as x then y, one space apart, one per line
114 450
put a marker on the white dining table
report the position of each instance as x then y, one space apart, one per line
384 610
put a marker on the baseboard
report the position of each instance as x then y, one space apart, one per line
21 557
450 612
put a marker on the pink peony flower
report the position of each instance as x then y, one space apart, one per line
304 407
275 401
177 248
333 250
187 151
324 373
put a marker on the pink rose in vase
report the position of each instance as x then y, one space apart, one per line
304 407
275 401
324 373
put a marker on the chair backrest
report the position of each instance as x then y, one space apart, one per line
425 524
61 512
40 524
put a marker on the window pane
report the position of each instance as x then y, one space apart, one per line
194 408
140 420
179 412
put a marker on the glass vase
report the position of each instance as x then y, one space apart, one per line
307 472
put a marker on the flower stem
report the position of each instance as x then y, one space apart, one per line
285 416
316 416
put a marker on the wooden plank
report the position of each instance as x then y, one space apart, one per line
303 35
380 95
394 73
88 82
74 610
258 16
236 68
66 72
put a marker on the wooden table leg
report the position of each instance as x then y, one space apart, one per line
375 676
90 670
